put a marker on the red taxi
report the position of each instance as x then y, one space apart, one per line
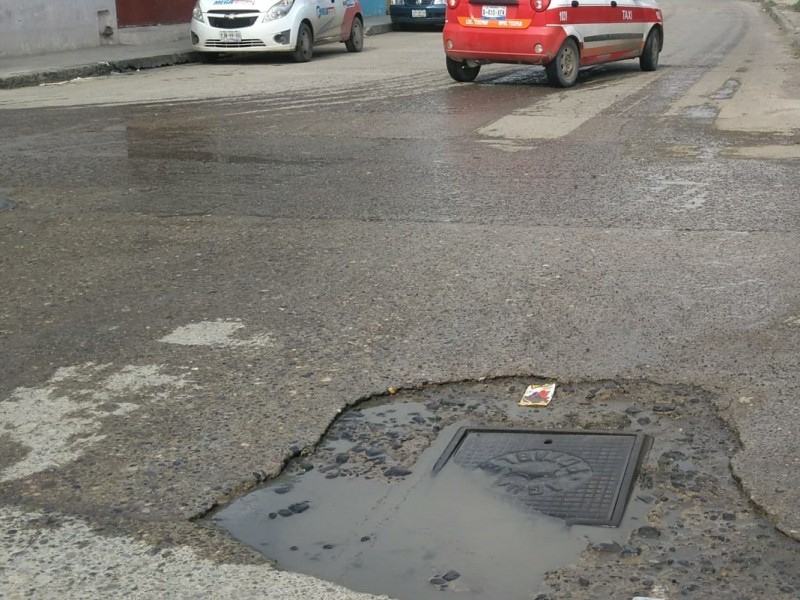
562 35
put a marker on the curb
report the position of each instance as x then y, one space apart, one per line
128 64
96 69
779 16
780 19
378 28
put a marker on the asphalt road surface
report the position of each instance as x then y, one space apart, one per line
207 263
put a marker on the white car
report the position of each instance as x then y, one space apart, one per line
295 26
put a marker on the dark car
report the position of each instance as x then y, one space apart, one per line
417 12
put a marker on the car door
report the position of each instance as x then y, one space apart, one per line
328 25
594 21
629 26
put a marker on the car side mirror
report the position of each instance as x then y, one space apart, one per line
613 3
575 3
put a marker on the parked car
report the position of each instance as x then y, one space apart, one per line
292 26
417 12
562 35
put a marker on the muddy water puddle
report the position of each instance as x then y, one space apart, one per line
366 511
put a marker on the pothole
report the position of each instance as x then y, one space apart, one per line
389 503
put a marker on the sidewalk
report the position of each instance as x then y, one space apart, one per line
21 71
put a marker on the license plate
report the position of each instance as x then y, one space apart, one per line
419 13
493 12
230 36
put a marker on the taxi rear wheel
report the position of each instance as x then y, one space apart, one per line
305 44
648 61
356 40
461 71
563 70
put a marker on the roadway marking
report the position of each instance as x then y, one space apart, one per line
560 114
770 151
62 557
60 420
217 334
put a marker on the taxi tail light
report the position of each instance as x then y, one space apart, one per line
454 3
540 5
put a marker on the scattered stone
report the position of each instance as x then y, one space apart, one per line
648 532
365 538
451 575
728 516
633 410
299 507
396 472
273 515
342 458
606 547
664 408
306 465
329 546
293 548
332 474
437 581
285 512
630 551
584 582
6 203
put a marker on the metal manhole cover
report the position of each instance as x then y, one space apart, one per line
581 477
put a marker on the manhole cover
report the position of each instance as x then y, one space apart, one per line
583 478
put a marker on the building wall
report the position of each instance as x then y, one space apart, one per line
374 8
39 26
136 13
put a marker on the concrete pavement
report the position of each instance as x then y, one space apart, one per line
22 71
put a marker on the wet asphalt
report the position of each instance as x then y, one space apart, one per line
193 289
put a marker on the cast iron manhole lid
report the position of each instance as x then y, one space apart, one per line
582 477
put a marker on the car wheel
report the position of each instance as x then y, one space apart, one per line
648 61
461 71
356 40
305 44
563 70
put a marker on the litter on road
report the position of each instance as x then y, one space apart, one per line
538 395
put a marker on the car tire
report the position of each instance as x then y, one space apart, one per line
305 44
461 71
562 71
356 40
648 61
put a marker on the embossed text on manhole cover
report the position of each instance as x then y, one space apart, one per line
581 477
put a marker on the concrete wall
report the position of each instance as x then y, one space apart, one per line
373 8
39 26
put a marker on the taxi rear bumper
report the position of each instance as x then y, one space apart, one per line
535 45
